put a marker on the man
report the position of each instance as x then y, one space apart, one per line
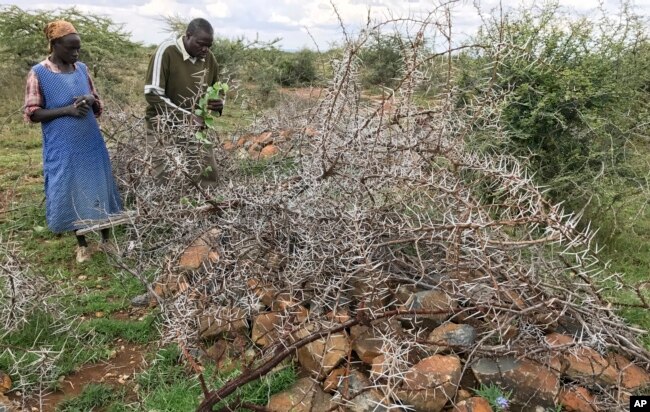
179 72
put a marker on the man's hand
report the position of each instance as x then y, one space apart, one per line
197 121
216 105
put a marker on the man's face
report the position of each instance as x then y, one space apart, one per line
199 43
67 48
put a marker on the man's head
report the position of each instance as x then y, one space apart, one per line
198 38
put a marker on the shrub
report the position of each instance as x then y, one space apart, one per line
103 42
574 101
297 68
382 60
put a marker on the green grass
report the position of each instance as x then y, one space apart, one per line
95 397
167 386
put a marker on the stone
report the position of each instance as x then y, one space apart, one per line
229 146
194 255
451 334
321 356
269 151
463 395
264 330
431 383
222 321
577 399
378 367
583 362
431 300
264 292
632 376
6 405
475 404
372 296
263 138
141 300
298 398
403 293
365 343
284 303
531 383
331 383
5 382
362 398
324 402
340 316
311 132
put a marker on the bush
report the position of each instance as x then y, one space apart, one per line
382 60
103 42
576 94
297 68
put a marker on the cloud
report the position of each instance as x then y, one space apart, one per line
289 19
219 10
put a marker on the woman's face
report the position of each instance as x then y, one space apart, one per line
67 48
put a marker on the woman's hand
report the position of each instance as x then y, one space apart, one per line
81 105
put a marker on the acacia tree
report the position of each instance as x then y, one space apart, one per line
103 41
577 96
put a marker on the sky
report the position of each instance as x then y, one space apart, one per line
299 23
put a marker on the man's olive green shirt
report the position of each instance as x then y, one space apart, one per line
175 81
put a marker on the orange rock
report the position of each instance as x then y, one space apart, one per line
475 404
321 356
430 383
254 151
331 383
269 151
632 376
584 362
194 255
5 382
264 330
310 131
378 367
577 399
265 293
263 139
243 139
228 146
340 316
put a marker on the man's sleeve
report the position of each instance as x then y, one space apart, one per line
157 77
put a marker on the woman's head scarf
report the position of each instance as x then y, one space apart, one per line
57 29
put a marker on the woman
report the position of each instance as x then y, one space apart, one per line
61 96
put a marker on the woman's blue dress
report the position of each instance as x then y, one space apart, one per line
79 182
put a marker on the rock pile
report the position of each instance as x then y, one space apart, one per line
357 365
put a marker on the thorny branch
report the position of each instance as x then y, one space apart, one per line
378 196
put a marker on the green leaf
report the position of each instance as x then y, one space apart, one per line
209 121
200 136
199 112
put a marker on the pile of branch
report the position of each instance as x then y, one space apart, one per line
385 194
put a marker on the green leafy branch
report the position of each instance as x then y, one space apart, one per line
214 92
